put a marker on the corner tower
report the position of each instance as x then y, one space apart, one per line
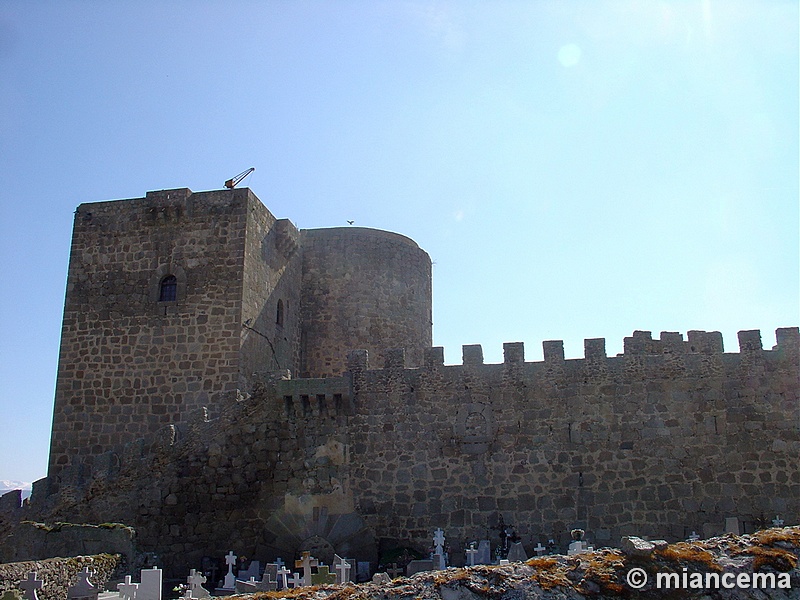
362 289
173 301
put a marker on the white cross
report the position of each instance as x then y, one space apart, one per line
282 579
30 585
471 552
230 560
342 569
230 580
127 590
438 541
196 581
540 550
694 537
296 580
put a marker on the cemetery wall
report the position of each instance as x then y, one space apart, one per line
59 574
671 437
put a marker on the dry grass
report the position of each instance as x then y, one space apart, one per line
687 552
604 569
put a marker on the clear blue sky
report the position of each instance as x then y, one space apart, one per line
575 169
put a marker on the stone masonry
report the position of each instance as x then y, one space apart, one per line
373 449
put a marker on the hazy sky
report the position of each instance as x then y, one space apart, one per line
574 169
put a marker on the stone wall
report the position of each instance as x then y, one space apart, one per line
59 574
362 288
129 362
670 437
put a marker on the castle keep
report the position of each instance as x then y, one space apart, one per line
227 381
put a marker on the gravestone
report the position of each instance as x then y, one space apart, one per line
342 568
438 541
516 553
150 586
128 589
484 556
540 550
394 571
229 584
254 571
504 561
269 582
282 576
323 576
362 570
247 587
694 537
83 588
777 521
295 581
732 525
195 583
470 553
306 562
30 585
418 566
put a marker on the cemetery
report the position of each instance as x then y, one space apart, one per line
768 560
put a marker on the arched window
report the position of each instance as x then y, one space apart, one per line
279 314
169 289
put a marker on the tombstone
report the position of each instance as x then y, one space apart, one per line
127 589
516 553
150 586
732 525
282 576
418 566
254 571
247 587
269 582
30 585
394 571
296 580
777 521
279 562
694 537
540 550
438 541
342 568
229 584
504 561
323 576
471 552
195 582
305 563
83 588
362 570
484 556
439 562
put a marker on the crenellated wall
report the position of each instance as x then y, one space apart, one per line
670 437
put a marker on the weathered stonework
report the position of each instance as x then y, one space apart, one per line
670 437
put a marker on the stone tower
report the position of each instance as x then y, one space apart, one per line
176 299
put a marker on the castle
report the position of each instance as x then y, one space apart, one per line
227 381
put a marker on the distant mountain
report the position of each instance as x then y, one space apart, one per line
8 486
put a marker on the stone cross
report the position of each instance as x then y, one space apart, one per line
394 571
279 562
230 578
296 580
342 569
540 550
306 563
438 541
196 581
30 585
83 589
694 537
777 521
283 580
127 589
471 552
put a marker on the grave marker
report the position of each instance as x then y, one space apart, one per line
230 578
83 588
150 586
195 582
323 576
30 585
484 556
342 568
540 550
283 580
128 589
516 553
471 552
305 563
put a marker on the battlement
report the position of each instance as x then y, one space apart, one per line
640 344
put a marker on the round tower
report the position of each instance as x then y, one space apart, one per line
362 289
